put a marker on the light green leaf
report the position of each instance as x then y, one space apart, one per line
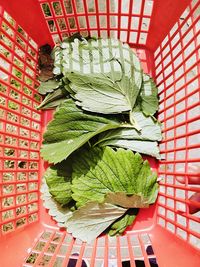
144 147
48 87
143 141
59 212
58 179
102 171
150 127
105 75
100 56
89 221
69 130
53 104
102 94
150 130
120 225
149 96
54 99
57 56
87 64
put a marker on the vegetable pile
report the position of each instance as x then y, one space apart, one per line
104 111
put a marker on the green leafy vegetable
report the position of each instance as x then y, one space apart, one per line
120 225
54 99
102 171
51 103
91 220
58 179
144 147
48 87
143 141
150 130
59 212
70 129
94 68
97 56
103 94
104 101
149 96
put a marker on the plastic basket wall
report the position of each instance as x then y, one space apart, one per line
165 35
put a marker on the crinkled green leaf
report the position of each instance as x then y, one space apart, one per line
58 179
48 87
69 130
120 225
102 93
89 221
149 96
101 171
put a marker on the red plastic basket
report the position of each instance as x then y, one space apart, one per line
165 35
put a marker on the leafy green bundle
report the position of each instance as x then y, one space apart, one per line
105 185
105 107
104 78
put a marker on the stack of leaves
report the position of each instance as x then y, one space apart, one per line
106 185
105 107
104 78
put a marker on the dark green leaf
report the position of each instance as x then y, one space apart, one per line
120 225
69 130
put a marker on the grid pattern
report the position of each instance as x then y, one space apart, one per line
19 126
126 20
177 74
60 249
177 64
